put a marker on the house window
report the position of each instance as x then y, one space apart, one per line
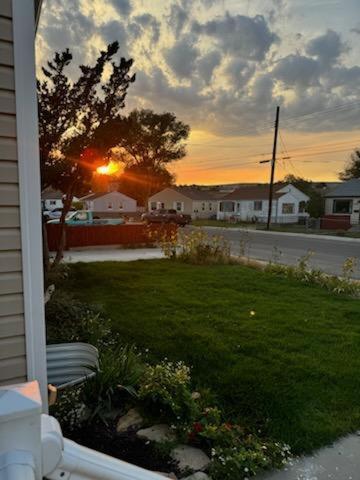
342 206
152 205
160 205
227 207
203 206
288 208
110 206
210 206
178 206
121 206
258 205
302 207
52 202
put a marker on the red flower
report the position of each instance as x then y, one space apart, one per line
198 427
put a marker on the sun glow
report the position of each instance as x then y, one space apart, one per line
112 168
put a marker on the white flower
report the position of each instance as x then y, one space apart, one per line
246 469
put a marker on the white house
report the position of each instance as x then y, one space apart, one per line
252 203
344 200
51 199
105 202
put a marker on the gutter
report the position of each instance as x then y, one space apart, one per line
38 4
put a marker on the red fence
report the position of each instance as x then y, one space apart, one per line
95 235
335 222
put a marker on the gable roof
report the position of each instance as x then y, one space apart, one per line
94 196
199 194
260 192
351 188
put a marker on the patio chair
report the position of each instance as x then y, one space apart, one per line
69 364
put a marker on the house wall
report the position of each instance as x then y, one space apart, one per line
52 204
13 365
119 202
169 197
245 210
355 214
204 209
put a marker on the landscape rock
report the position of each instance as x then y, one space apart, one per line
157 433
197 476
190 458
132 420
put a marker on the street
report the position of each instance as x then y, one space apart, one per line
329 252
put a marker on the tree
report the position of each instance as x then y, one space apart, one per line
315 206
148 143
352 170
72 117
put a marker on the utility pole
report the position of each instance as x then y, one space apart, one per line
273 161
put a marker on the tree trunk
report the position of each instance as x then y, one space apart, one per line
62 241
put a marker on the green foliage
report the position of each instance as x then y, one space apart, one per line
69 320
352 170
165 392
197 247
57 275
245 456
119 374
302 272
68 409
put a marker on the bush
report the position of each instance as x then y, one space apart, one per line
197 247
165 392
119 375
68 320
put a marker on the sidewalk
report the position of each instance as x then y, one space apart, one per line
340 461
111 255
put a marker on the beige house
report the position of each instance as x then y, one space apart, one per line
106 202
344 200
22 326
192 201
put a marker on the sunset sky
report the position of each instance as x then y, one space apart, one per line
222 66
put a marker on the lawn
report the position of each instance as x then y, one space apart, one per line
291 369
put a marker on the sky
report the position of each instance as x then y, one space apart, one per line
223 66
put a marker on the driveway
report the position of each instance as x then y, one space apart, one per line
330 252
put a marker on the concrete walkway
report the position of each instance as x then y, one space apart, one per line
340 461
112 254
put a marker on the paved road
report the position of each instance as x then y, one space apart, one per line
329 252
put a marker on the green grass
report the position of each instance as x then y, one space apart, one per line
220 223
292 369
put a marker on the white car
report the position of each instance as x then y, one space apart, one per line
55 214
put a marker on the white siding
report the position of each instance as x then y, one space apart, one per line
12 327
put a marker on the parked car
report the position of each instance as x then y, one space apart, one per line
55 213
166 216
85 217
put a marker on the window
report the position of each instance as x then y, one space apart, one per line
288 208
178 206
227 206
110 206
80 217
203 206
160 205
302 207
342 206
210 206
153 206
52 202
121 206
258 205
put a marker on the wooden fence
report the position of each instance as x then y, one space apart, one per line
95 235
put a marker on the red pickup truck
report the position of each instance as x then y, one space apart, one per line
166 216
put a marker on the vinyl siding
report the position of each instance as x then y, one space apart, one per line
12 325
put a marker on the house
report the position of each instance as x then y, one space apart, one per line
109 202
344 200
194 201
51 199
252 204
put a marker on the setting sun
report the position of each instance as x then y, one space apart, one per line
112 168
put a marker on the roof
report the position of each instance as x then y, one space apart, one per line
50 194
252 193
351 188
199 194
94 196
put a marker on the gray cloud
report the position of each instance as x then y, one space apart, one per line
207 64
177 19
240 72
148 22
123 7
181 57
327 48
113 31
246 37
297 70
